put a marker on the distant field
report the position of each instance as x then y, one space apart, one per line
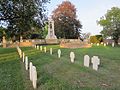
60 74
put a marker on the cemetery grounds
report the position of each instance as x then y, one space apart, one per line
60 74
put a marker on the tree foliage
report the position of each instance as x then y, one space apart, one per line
96 39
111 24
20 16
66 24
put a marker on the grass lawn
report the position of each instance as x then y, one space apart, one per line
61 74
12 73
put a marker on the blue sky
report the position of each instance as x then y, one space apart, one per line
88 12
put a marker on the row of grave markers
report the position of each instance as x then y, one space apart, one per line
104 44
94 60
30 67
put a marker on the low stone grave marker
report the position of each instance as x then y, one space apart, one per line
34 77
45 49
26 62
37 47
95 61
59 53
107 43
51 51
30 70
104 44
113 44
86 60
40 48
98 44
23 56
72 57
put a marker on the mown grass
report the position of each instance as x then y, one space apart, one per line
12 74
61 74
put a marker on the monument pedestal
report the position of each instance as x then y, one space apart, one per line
52 41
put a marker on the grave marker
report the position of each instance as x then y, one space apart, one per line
59 53
34 77
30 70
51 51
45 49
72 56
26 63
86 60
95 61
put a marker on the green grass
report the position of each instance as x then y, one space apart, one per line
61 74
12 73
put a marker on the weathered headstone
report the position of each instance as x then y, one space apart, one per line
107 43
86 60
72 56
37 47
51 51
95 61
97 44
23 56
4 42
34 77
40 48
59 53
104 44
113 44
26 63
45 49
30 70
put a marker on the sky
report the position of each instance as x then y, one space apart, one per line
88 12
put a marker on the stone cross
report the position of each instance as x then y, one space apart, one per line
26 63
23 56
113 44
4 42
72 56
34 77
40 48
45 49
59 53
95 61
51 51
86 60
30 70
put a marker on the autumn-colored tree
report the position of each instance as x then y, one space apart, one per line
66 23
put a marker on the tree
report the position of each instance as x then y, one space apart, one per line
21 16
96 39
111 24
66 24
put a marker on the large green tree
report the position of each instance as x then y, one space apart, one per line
111 24
66 23
20 16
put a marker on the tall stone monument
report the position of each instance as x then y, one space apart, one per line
51 32
4 42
